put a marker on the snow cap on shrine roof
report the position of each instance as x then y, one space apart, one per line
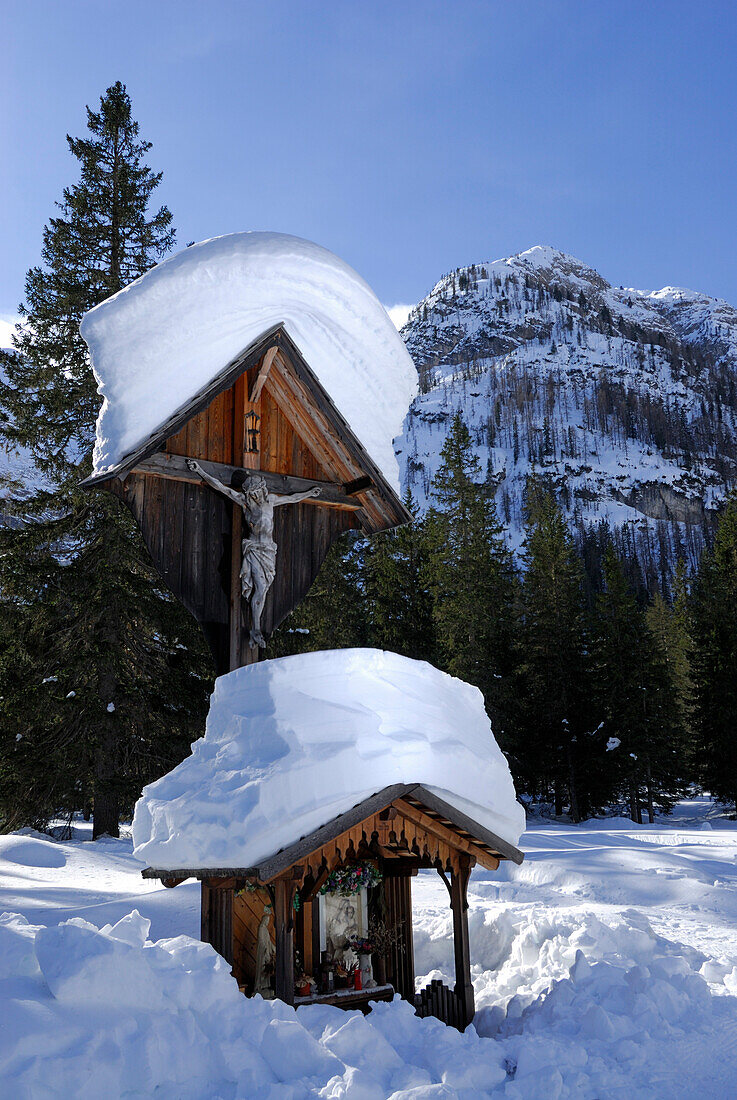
162 340
292 743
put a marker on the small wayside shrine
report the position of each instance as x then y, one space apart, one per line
228 437
324 783
252 386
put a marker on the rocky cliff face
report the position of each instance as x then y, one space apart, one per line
625 400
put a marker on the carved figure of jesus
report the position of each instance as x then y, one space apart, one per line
258 548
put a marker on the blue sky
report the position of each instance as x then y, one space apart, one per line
409 137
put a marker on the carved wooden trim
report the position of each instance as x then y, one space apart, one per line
411 833
263 374
448 834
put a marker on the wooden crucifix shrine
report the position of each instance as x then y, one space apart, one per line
399 830
264 430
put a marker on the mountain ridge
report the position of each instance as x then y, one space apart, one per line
624 400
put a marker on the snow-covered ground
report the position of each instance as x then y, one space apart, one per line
605 967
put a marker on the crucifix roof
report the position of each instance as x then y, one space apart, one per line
275 366
164 342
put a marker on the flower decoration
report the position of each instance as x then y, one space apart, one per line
351 879
361 946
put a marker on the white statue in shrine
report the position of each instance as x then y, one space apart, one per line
264 956
258 549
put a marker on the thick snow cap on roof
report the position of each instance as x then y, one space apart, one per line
293 742
158 342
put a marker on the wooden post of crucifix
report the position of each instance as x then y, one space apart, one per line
206 490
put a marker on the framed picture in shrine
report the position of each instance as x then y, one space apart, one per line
342 919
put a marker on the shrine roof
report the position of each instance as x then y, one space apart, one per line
471 835
297 747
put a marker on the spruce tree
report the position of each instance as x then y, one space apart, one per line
105 682
667 748
554 716
335 612
714 625
619 680
472 579
397 586
103 237
641 693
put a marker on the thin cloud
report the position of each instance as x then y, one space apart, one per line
7 327
399 313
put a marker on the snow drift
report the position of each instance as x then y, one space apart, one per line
91 1012
293 742
106 1012
604 966
159 341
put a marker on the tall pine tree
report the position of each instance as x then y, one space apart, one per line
618 661
397 585
554 744
106 680
667 751
472 579
714 624
640 692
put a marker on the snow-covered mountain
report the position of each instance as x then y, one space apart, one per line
625 399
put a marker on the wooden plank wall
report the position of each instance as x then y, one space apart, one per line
306 932
216 922
304 533
216 434
248 909
189 531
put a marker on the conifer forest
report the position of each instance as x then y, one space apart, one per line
611 684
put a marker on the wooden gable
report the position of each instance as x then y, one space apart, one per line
266 413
